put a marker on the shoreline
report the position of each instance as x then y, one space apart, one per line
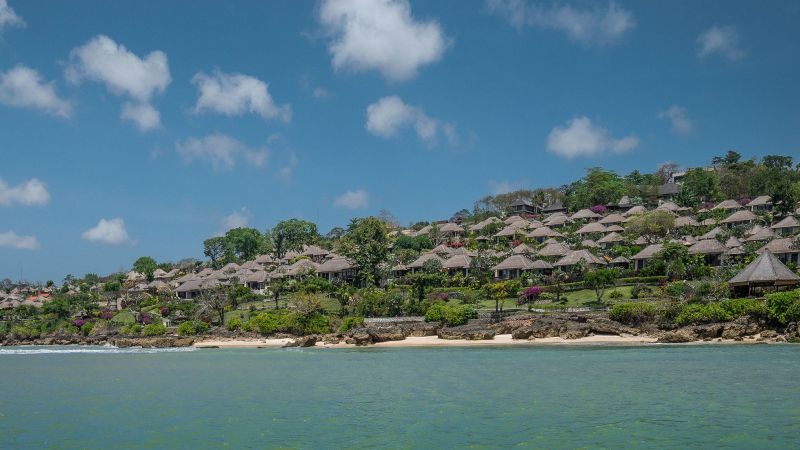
501 340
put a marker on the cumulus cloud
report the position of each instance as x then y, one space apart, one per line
23 87
681 125
503 186
357 199
220 151
9 18
583 138
390 114
13 240
237 219
123 73
108 231
596 26
30 193
720 40
235 94
380 35
143 115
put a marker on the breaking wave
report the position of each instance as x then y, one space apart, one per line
106 349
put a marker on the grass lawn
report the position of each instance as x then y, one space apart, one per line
584 298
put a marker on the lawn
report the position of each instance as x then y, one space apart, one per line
584 298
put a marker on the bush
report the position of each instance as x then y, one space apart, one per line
745 307
633 313
131 329
86 328
615 295
234 324
124 318
350 322
782 307
24 332
192 327
290 322
450 314
696 314
641 290
154 329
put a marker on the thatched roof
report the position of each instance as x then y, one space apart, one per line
457 262
265 259
708 222
557 221
441 249
592 227
230 267
638 209
302 265
780 246
544 232
764 235
612 219
252 266
762 200
648 252
512 229
313 250
611 238
620 260
707 247
512 219
712 234
255 277
515 262
615 228
451 227
188 277
765 270
669 206
423 259
585 214
733 242
744 215
159 273
335 265
523 249
483 223
557 249
577 256
787 222
588 243
728 204
686 221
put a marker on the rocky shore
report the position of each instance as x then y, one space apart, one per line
539 328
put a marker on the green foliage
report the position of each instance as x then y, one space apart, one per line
131 329
366 243
615 295
25 332
154 329
633 313
214 249
696 314
292 234
745 307
418 243
598 280
124 318
145 265
450 314
351 322
640 290
284 321
234 324
597 187
652 225
192 328
784 307
244 243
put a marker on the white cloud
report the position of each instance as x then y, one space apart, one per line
23 87
583 138
221 151
235 94
357 199
108 231
681 125
596 26
390 114
13 240
721 40
123 73
236 219
9 18
142 114
321 93
503 186
29 193
380 35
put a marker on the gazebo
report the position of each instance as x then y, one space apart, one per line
765 271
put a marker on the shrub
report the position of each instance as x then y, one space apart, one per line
24 332
435 313
615 295
154 329
633 313
782 306
86 328
641 290
192 327
290 322
450 314
131 329
350 322
696 314
124 318
234 324
745 307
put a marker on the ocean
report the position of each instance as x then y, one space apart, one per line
699 396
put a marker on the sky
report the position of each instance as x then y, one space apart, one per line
132 128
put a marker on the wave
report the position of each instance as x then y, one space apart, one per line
106 349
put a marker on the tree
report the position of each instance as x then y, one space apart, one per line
598 186
651 226
146 266
529 295
214 301
388 218
335 233
598 280
214 249
366 244
500 291
701 184
244 243
292 234
278 287
557 279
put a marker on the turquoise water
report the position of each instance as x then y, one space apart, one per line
695 396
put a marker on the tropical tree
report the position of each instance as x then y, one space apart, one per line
244 243
292 234
214 248
652 226
145 265
598 280
366 244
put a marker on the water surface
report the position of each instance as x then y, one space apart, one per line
744 396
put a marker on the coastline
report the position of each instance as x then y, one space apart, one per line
501 340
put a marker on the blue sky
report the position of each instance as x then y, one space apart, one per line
141 128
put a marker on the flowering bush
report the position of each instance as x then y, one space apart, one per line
599 209
165 311
146 318
106 314
78 322
442 296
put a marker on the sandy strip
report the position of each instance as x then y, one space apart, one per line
434 341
